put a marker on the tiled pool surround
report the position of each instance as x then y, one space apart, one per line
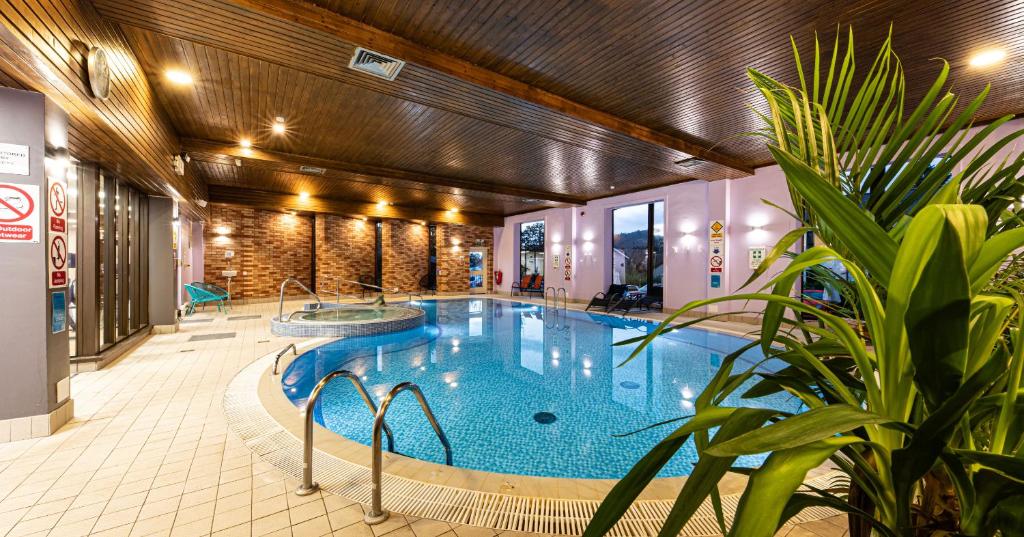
397 319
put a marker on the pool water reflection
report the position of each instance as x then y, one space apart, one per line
523 391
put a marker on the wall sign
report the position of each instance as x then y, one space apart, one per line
57 230
716 247
568 266
756 255
14 159
59 309
19 217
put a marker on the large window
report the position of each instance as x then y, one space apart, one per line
531 248
638 246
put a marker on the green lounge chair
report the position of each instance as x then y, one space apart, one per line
203 293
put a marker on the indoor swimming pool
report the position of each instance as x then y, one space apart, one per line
521 390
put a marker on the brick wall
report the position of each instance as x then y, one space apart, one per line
405 249
268 246
453 260
271 246
344 249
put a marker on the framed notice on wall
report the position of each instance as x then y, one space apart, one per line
14 159
716 251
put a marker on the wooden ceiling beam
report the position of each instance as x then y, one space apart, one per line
378 40
276 201
209 151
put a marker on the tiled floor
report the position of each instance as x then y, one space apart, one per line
149 453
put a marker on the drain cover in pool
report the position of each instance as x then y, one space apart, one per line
544 418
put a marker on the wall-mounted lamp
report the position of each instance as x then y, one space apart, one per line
222 230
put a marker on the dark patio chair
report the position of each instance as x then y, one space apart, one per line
605 299
653 299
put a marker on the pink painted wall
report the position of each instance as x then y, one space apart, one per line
688 208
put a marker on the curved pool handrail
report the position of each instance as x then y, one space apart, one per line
280 305
282 353
308 486
377 514
371 286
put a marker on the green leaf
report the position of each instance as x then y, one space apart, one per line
870 244
625 492
1006 465
709 470
910 463
992 255
780 248
798 430
937 320
770 486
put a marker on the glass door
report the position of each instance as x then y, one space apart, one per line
478 270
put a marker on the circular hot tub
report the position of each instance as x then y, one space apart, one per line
348 321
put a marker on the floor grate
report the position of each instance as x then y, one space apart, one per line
210 337
244 317
190 321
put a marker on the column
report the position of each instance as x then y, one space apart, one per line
34 384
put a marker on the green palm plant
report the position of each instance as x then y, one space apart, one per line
917 398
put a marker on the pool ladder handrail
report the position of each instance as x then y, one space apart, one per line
377 514
554 294
420 303
282 353
280 305
308 486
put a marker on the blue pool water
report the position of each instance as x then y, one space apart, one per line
523 391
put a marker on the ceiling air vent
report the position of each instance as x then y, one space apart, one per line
311 170
375 63
689 162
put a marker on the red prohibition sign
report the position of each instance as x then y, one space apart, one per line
58 252
58 199
20 213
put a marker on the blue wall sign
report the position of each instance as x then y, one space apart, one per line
59 319
716 280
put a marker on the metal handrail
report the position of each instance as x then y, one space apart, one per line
411 294
377 514
554 294
371 286
283 351
308 486
280 305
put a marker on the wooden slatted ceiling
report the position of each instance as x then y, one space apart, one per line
223 26
235 96
345 186
44 46
679 67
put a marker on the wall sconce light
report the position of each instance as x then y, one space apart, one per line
222 230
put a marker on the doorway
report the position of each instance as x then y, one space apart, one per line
477 270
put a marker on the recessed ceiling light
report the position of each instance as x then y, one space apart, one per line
987 58
303 196
179 77
611 187
278 126
382 204
453 210
245 143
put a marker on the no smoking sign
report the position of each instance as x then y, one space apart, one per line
57 252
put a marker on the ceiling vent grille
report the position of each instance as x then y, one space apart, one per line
689 162
312 170
375 63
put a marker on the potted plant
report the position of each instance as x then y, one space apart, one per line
918 398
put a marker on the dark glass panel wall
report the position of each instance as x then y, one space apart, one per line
110 287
